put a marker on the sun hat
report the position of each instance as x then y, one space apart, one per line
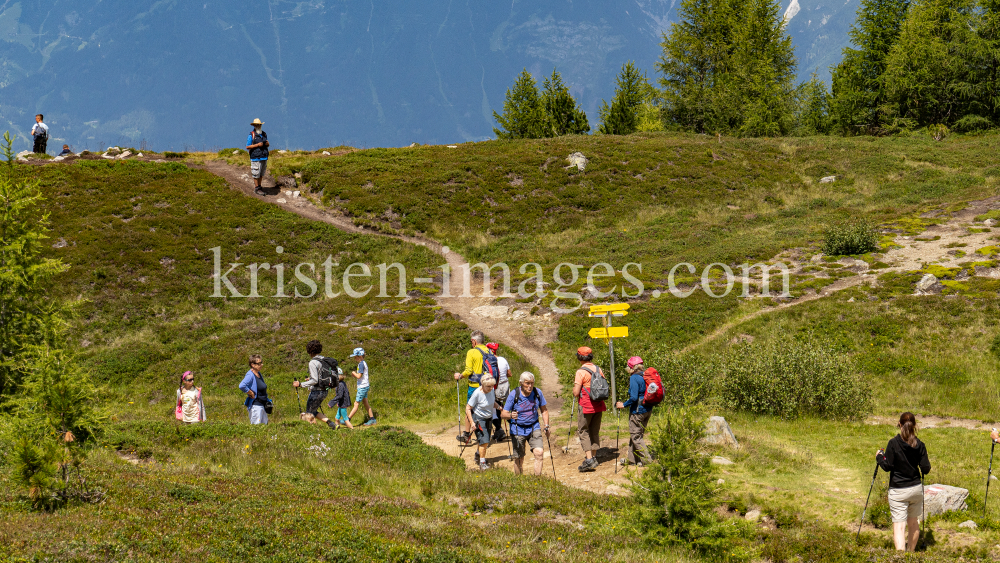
493 346
634 361
256 122
584 351
358 352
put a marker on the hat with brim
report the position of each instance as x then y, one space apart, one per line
634 361
358 352
256 122
584 351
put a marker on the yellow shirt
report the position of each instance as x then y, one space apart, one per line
474 362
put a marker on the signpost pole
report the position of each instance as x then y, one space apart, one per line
611 352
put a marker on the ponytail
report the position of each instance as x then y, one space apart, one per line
908 428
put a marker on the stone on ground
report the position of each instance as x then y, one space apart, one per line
968 524
928 285
827 179
577 159
492 311
939 499
717 431
719 460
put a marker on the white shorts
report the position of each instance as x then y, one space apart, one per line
258 168
257 415
906 503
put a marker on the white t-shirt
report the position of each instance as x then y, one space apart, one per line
482 404
363 370
503 367
40 129
190 405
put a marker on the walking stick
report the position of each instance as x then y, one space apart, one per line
549 440
510 438
989 474
572 419
858 538
298 400
618 429
458 398
923 515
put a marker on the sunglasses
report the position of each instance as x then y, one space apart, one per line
189 379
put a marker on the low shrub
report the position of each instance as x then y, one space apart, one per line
851 238
794 378
169 154
232 151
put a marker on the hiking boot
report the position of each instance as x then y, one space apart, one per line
483 465
464 437
370 422
476 458
588 465
258 191
332 424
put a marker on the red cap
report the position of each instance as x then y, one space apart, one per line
492 346
584 351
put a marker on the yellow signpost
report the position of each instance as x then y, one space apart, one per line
609 333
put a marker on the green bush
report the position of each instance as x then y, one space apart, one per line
851 238
794 378
169 154
229 152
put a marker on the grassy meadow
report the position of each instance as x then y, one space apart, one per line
139 239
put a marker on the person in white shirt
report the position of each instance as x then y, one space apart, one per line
40 132
502 390
361 396
317 391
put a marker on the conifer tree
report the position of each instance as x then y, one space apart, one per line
621 117
857 88
813 113
564 115
523 114
932 72
695 64
763 65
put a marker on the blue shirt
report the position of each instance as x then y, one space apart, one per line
527 411
636 391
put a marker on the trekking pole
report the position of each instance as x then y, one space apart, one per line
989 474
858 538
510 438
549 440
923 515
572 419
297 399
458 397
618 429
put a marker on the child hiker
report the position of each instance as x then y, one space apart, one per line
361 397
341 402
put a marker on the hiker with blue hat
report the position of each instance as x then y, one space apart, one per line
361 396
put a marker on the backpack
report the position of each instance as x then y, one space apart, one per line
599 388
327 373
489 366
654 388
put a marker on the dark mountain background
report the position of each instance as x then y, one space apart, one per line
173 74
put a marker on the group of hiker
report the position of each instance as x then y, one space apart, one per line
490 402
324 374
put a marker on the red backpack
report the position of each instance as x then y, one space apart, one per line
654 388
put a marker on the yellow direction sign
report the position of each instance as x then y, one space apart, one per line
605 314
608 308
610 332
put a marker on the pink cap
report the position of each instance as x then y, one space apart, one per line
634 361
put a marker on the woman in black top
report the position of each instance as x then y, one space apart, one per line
905 458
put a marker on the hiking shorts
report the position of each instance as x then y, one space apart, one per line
534 441
484 431
905 503
258 168
361 395
315 401
258 415
342 416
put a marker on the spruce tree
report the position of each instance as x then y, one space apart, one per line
932 72
989 77
564 115
763 65
857 88
621 117
695 66
813 112
523 114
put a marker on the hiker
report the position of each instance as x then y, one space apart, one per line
190 406
905 458
522 408
477 363
503 388
589 421
638 414
361 396
257 403
257 147
479 412
66 151
319 383
40 132
341 402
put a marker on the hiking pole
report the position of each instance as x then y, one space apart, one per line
923 515
618 430
510 438
989 474
572 418
458 397
549 440
298 400
858 538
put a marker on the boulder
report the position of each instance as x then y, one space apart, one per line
717 431
58 158
752 515
125 154
492 311
987 272
719 460
139 155
577 159
939 499
23 154
968 524
326 153
827 179
237 151
61 243
928 285
816 259
991 222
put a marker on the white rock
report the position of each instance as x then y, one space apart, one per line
720 482
61 243
752 515
282 151
58 158
854 265
968 524
827 179
107 156
288 193
125 154
719 460
492 311
452 146
991 222
22 159
281 200
520 314
939 499
928 285
851 300
296 193
139 155
23 154
326 153
717 431
237 151
577 159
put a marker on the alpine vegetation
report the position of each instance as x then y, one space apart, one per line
528 114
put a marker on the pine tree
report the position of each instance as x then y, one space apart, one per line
564 115
763 65
932 72
813 112
857 85
621 117
695 64
989 33
523 114
28 314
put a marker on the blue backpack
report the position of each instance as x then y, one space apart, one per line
490 366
